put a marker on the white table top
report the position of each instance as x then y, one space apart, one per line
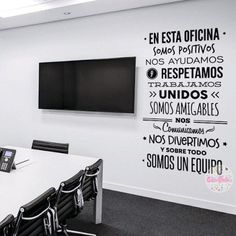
44 170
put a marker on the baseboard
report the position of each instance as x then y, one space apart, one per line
181 199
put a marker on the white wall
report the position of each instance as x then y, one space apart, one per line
115 138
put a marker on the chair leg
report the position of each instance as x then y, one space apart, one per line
80 233
65 232
63 229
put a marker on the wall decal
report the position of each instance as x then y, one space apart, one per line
185 84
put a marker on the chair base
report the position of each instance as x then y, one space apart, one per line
80 233
66 231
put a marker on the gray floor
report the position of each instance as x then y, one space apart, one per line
129 215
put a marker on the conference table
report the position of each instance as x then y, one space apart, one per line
41 171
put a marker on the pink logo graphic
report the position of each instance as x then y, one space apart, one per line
219 183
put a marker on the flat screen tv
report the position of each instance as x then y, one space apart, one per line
101 85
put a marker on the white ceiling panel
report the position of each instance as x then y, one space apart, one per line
18 13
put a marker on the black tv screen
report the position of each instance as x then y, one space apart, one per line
101 85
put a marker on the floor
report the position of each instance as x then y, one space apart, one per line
130 215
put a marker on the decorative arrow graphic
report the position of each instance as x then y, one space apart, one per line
152 94
215 95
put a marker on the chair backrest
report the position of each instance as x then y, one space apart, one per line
69 199
6 226
33 218
50 146
90 185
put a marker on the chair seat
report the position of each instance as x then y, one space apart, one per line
6 226
33 218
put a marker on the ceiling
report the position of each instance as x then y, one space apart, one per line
42 11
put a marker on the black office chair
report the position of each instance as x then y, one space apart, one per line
6 226
69 203
35 218
50 146
90 184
